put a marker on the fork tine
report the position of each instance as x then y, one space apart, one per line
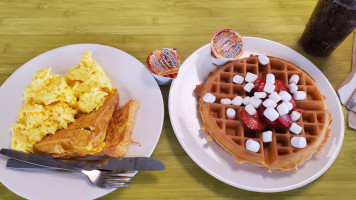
115 185
117 179
121 173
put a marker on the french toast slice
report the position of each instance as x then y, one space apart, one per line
84 136
118 134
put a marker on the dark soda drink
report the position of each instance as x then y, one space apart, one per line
331 22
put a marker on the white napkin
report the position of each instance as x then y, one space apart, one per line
348 88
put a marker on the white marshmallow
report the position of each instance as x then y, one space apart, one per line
269 87
230 113
267 136
271 114
250 77
289 105
294 79
285 96
292 87
270 78
264 60
237 101
298 142
295 116
252 145
248 87
256 102
246 100
238 79
282 109
260 95
250 109
225 101
295 128
209 98
299 95
275 97
269 103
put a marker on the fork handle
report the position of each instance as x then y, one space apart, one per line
18 164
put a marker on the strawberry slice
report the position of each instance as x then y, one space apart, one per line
259 84
285 120
265 120
292 101
280 86
299 110
253 122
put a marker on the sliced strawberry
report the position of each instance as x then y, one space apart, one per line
259 84
292 101
299 110
285 120
253 122
265 120
280 86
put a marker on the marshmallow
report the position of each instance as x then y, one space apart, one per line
225 101
209 98
269 87
269 103
230 113
264 60
282 109
285 96
295 116
299 95
267 136
295 128
270 78
294 79
298 142
252 145
260 95
237 101
250 109
248 87
256 102
289 105
275 97
292 87
246 100
238 79
271 114
250 77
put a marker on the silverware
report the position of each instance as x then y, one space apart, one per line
99 178
90 162
352 103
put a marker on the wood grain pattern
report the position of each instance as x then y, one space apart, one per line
29 28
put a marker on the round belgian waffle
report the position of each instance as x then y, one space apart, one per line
232 134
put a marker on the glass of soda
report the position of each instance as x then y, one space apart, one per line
331 22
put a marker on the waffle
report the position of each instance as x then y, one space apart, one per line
233 134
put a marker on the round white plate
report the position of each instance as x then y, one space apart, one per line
126 73
185 119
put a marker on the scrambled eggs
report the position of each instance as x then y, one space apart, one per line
52 101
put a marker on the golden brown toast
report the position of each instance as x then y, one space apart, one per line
118 134
84 136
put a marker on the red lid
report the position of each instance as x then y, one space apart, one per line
227 44
164 62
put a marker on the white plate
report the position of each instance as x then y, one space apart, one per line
185 119
126 73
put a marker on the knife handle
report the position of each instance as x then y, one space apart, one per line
38 160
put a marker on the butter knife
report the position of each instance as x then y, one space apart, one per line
89 163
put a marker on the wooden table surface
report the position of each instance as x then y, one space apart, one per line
29 28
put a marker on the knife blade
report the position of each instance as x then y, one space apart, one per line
352 103
89 163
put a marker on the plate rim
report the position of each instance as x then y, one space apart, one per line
93 45
255 189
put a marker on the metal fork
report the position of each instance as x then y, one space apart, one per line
103 179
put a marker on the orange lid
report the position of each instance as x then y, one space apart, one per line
227 44
164 62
